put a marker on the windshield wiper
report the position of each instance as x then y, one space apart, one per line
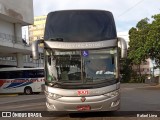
57 39
53 83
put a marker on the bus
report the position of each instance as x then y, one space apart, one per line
21 80
82 54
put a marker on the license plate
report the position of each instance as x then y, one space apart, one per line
83 107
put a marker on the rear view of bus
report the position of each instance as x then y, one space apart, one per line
81 61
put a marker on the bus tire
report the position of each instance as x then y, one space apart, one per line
28 90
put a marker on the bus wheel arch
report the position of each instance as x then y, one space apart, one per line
27 90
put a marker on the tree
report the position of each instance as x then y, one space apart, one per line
152 46
137 42
126 70
145 41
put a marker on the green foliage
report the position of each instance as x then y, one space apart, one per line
144 43
153 39
126 70
137 38
145 40
137 79
128 75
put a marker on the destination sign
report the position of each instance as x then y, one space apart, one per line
81 45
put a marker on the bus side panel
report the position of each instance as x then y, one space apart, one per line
15 85
37 85
7 86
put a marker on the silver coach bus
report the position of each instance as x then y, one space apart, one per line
81 61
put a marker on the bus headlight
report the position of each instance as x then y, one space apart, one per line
112 94
53 96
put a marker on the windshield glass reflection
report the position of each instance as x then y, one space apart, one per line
81 66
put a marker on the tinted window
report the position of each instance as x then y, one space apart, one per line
21 74
80 25
4 75
15 74
40 73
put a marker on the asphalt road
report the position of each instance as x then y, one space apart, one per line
134 97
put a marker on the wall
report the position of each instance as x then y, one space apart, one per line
6 27
18 9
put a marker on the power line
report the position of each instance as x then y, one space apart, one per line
130 8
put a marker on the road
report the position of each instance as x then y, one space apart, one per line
134 97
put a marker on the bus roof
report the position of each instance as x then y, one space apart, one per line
80 26
18 69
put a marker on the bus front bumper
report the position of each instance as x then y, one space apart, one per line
95 103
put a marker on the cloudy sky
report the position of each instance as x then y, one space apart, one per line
126 12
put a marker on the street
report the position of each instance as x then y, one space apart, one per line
134 97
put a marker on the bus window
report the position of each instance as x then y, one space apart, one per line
40 73
26 74
32 74
15 74
4 75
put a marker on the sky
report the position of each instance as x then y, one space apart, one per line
126 12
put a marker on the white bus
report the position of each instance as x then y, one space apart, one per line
21 80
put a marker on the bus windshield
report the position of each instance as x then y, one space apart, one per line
81 66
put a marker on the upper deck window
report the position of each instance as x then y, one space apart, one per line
80 26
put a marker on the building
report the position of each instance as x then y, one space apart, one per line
144 68
36 31
13 49
155 71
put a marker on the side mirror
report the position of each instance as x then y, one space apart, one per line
35 52
123 45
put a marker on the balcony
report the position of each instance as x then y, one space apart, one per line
8 45
11 62
9 48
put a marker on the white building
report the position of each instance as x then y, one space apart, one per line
13 15
154 71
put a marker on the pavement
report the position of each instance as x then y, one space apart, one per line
4 98
8 95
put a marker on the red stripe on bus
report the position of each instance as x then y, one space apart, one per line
20 80
1 82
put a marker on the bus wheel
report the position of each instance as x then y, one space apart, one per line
27 90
